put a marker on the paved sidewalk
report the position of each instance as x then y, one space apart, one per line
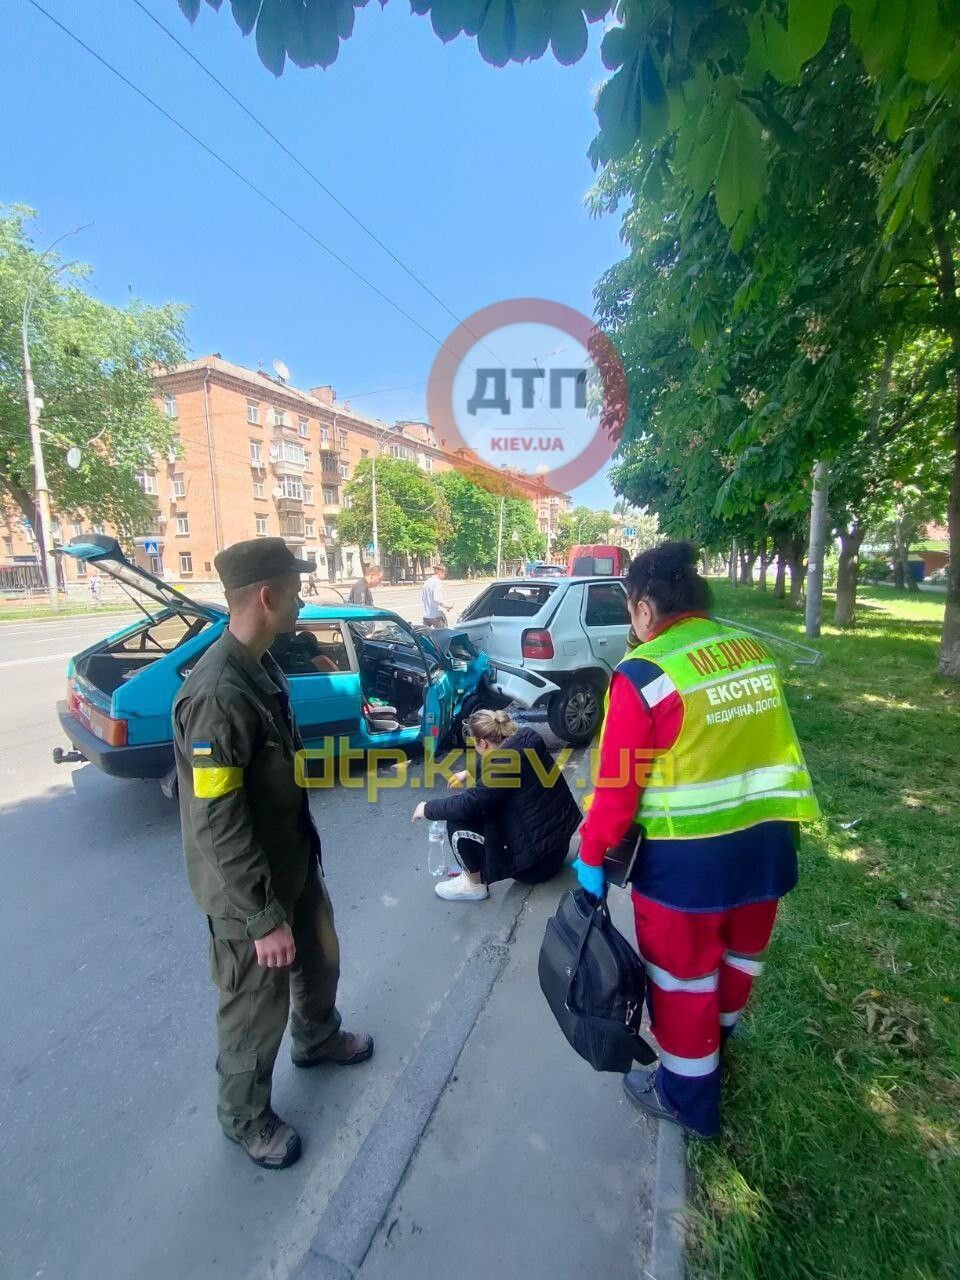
532 1164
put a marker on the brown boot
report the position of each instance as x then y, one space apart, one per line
273 1145
343 1049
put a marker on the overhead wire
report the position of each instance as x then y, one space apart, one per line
258 191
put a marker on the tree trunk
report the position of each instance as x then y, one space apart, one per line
819 520
780 583
950 636
847 575
748 557
763 564
798 570
732 569
898 570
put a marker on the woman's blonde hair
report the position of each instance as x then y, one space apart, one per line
491 726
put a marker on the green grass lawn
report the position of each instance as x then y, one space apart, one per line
840 1155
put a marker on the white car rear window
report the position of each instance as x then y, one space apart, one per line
510 600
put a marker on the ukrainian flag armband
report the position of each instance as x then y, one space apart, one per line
210 781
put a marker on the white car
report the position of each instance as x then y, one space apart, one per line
571 632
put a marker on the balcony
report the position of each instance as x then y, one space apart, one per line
285 505
292 529
331 508
287 458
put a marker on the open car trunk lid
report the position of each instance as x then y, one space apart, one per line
107 555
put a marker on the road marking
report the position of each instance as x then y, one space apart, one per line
47 657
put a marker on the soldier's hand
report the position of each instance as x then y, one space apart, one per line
276 950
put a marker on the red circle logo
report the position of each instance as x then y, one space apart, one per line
543 390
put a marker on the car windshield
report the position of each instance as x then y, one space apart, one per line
389 632
510 600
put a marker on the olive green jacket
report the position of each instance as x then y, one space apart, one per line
247 832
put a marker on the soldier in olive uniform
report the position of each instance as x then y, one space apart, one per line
253 854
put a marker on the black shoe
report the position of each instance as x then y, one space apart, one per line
640 1086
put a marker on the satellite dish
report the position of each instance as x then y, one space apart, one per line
281 370
73 458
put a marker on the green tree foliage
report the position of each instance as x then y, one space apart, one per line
581 527
413 517
475 524
92 366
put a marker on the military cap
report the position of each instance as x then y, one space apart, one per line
257 560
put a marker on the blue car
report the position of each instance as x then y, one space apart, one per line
358 676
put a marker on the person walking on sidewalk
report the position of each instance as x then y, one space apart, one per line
515 823
698 750
432 603
253 854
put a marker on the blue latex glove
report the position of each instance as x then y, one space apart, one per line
592 879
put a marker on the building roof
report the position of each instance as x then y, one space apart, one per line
261 381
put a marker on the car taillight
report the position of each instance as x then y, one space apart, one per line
536 644
106 728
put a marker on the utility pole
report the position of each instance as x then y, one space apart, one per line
375 539
39 471
500 539
819 519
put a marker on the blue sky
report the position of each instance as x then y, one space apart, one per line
473 176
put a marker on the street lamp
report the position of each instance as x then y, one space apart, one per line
379 437
34 405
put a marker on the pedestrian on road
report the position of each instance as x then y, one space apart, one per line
96 588
520 828
698 750
253 854
362 590
432 603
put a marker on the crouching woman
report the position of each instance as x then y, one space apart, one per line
518 818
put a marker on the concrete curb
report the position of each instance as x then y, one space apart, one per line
356 1209
669 1205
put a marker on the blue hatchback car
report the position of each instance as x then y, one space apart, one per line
358 675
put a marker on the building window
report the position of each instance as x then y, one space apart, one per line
100 527
308 494
279 417
347 502
289 451
428 464
310 527
256 452
324 437
55 528
308 461
258 489
292 487
303 426
364 453
261 524
186 562
170 405
179 486
183 524
344 471
77 528
329 495
330 530
81 568
342 436
253 411
147 480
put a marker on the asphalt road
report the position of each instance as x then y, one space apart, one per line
114 1164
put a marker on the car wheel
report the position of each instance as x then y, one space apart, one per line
574 713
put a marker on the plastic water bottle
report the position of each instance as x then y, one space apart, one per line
436 850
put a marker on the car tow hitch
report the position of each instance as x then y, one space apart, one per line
67 757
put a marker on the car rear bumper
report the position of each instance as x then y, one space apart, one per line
152 761
518 684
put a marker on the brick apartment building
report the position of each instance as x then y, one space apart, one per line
255 456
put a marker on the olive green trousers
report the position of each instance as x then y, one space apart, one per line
255 1004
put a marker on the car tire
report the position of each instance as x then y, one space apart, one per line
575 712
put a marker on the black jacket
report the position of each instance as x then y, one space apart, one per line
522 825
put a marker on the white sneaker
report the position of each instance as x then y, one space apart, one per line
461 890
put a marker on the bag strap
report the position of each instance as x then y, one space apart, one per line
601 909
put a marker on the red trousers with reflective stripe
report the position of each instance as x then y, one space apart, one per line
694 985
